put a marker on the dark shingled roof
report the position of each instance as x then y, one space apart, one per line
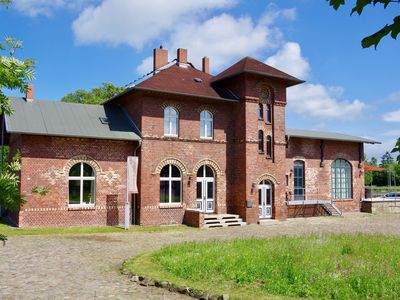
54 118
253 66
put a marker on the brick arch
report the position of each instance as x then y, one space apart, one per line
268 177
170 161
209 108
172 104
209 162
266 92
82 159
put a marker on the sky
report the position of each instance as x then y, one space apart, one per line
83 43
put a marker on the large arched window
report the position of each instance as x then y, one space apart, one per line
82 180
260 141
298 176
260 111
268 117
170 121
269 146
170 184
206 125
341 179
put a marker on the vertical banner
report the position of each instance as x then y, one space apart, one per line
131 184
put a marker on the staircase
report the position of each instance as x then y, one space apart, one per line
331 209
222 220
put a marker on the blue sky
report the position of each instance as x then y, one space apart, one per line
82 43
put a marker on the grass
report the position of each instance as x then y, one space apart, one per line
316 266
12 231
384 188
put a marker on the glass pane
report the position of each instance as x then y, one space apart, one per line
175 172
88 191
259 197
74 192
199 192
210 190
209 129
75 170
174 126
164 191
209 172
268 197
166 126
200 172
88 170
176 191
165 171
260 111
202 128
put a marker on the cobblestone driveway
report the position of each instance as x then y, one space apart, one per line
86 266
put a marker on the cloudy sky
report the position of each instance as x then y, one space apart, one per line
82 43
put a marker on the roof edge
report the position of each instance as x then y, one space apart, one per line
361 140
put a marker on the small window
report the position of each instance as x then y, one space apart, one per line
170 185
82 181
341 179
268 117
260 111
260 141
298 170
206 125
269 146
170 121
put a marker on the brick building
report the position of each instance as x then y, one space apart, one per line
206 145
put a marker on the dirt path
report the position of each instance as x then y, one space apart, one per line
86 266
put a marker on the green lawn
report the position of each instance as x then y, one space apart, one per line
326 266
12 231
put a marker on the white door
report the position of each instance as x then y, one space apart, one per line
205 190
265 200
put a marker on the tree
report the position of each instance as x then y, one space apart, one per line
374 39
396 149
386 160
96 96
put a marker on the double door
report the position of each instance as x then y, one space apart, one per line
265 200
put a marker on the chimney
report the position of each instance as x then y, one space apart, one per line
206 64
160 58
29 93
181 54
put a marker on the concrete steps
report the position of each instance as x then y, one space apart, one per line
222 220
331 209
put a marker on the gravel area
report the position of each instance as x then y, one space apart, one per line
87 266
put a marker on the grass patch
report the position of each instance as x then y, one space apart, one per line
316 266
12 231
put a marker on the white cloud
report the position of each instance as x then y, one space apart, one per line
393 116
317 101
377 150
35 8
290 60
135 23
273 13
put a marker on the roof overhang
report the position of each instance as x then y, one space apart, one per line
329 136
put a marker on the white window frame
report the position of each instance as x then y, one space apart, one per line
338 192
170 179
208 120
82 178
170 116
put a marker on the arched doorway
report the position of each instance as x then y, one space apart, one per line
265 199
205 189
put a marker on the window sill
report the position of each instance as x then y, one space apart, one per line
170 135
260 152
268 157
171 205
343 200
268 123
206 138
81 207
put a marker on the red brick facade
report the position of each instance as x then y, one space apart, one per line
232 154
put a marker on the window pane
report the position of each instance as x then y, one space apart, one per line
175 171
199 192
268 113
260 111
74 192
164 191
268 202
174 125
176 191
209 172
259 197
88 170
165 171
200 172
202 128
88 191
210 190
75 170
209 129
166 126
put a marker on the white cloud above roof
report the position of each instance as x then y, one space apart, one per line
393 116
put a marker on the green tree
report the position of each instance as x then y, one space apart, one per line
396 149
374 39
97 95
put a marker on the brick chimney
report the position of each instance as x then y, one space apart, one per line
181 54
206 64
160 58
30 93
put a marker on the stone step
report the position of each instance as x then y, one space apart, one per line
220 225
223 221
220 216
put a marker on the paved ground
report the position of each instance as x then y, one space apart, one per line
86 266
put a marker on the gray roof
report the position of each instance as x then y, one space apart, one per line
325 135
57 118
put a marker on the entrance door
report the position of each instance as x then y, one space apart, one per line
205 189
265 200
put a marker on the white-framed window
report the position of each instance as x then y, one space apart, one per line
206 125
170 121
170 185
341 179
81 185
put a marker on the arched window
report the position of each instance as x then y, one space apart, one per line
260 141
268 117
269 146
298 176
170 184
341 179
170 121
260 111
206 125
82 180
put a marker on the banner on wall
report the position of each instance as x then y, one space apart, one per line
132 168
